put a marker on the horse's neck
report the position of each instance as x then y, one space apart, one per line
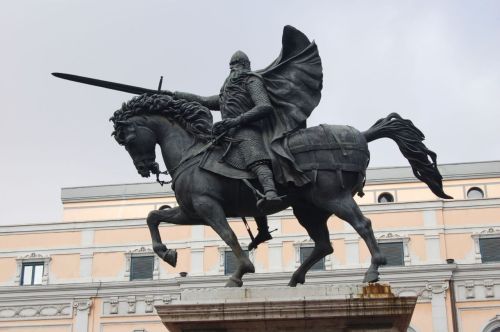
174 141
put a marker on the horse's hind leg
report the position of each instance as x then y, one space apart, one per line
314 221
171 216
347 209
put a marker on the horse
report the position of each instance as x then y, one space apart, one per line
182 129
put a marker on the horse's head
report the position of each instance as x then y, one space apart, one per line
134 121
140 142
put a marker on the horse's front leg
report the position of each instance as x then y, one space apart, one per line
171 216
215 217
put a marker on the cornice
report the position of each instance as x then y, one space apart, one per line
376 175
288 213
396 276
424 281
477 271
114 192
453 171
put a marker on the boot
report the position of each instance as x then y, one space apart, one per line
271 200
263 234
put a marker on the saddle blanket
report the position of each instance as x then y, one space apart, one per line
323 147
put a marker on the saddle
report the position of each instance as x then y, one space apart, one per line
323 147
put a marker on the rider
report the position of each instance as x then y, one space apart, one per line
260 109
243 102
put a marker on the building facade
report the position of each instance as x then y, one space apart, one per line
95 270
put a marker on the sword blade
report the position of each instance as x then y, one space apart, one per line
105 84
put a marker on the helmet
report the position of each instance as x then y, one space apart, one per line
240 57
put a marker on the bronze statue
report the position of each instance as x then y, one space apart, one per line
219 171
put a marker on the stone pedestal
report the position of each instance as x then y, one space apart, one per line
313 308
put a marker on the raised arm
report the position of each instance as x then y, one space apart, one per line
211 102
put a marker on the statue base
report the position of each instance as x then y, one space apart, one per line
356 308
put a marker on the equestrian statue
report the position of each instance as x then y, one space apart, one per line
261 158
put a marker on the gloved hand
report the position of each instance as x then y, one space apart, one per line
225 125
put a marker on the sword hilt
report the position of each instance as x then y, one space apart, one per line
159 84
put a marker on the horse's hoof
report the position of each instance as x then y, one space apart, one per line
297 279
247 268
170 257
233 282
371 276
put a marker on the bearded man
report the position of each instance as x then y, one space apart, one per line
244 103
260 109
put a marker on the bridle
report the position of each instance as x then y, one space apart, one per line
195 153
156 169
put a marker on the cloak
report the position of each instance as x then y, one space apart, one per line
293 82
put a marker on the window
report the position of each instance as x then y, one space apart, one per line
141 264
393 252
493 325
306 252
385 198
141 267
32 269
475 193
230 261
490 249
32 273
303 249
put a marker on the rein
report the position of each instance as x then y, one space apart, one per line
189 157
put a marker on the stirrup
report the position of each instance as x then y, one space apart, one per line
260 238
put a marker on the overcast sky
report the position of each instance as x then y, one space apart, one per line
434 62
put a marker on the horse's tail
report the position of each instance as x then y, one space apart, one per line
409 140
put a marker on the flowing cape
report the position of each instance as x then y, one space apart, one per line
293 82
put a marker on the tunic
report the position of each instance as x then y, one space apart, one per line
240 94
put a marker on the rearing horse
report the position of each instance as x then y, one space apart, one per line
183 131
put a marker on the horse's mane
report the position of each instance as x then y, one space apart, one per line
192 116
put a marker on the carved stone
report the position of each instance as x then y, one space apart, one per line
43 310
149 301
82 304
470 290
131 304
113 302
489 288
316 308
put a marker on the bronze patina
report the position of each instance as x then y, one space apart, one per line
261 158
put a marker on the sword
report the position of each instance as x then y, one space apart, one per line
111 85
